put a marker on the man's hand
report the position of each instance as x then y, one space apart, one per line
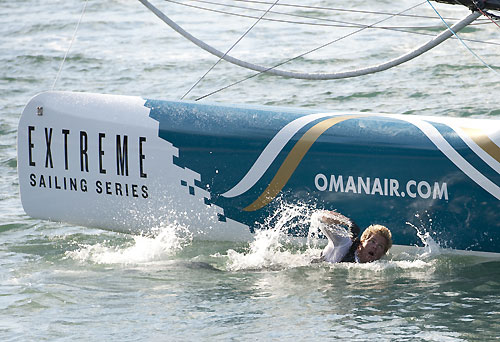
333 217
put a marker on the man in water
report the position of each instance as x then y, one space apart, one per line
344 244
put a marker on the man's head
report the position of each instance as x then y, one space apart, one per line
375 242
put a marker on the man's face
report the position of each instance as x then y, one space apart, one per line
372 248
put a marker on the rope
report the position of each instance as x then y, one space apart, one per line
403 29
341 9
70 45
453 31
244 34
318 76
340 23
486 14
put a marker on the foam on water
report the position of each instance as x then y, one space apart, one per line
268 252
169 240
271 249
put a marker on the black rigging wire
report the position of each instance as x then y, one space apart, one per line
340 23
323 19
490 16
343 23
308 52
344 10
232 46
350 10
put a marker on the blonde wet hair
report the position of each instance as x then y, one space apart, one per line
381 230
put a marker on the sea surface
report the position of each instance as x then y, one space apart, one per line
60 282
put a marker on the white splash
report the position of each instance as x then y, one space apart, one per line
169 240
338 229
267 252
271 250
270 247
431 248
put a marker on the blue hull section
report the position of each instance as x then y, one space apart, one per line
381 169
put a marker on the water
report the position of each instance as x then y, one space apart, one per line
60 282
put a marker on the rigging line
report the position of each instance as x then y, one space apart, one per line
220 58
70 45
486 14
318 76
303 54
344 23
348 24
461 41
343 10
436 41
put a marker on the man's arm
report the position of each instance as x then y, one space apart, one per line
340 232
337 227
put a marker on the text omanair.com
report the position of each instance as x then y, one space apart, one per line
381 187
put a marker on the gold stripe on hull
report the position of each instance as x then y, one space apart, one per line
293 159
483 141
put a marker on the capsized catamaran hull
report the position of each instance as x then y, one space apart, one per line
130 164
